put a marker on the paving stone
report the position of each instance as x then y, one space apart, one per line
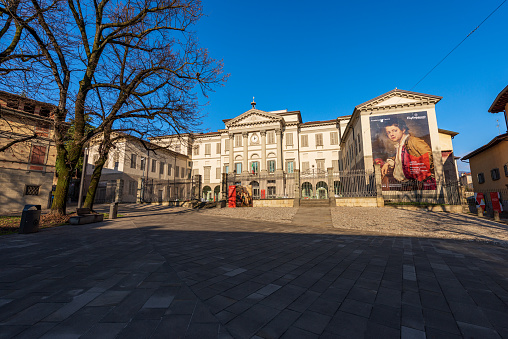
375 330
411 333
312 322
439 320
279 324
386 315
347 325
412 317
297 333
475 331
174 325
356 307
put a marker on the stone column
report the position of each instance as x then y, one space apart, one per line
263 153
331 188
231 152
379 188
278 133
119 190
298 191
245 165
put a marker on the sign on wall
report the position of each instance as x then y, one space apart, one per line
401 145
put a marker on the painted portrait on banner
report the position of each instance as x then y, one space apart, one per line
401 145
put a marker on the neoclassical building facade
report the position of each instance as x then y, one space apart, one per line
274 143
280 155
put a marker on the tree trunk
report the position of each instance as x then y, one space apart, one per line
65 165
94 182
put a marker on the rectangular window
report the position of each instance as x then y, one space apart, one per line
481 178
177 171
154 165
238 167
38 155
183 172
217 172
217 149
359 143
271 137
195 150
271 166
169 169
161 167
207 174
133 187
238 140
133 160
494 174
208 149
226 168
334 138
142 164
305 166
254 167
32 190
319 139
289 139
290 167
506 170
320 164
335 165
227 145
305 141
271 192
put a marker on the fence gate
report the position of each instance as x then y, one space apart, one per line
314 184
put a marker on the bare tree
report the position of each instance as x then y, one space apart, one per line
135 67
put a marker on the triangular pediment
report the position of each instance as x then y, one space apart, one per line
254 117
399 98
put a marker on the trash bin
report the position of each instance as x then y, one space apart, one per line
30 219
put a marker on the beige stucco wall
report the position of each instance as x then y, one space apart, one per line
356 202
494 157
274 203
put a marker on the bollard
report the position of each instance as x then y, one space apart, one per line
496 216
113 210
479 210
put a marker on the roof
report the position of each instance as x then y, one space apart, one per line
399 91
20 97
444 131
319 122
493 142
499 105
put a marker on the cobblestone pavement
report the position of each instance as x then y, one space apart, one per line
174 273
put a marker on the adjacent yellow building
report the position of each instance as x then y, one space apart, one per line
27 166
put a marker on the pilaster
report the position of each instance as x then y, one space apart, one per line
245 165
231 153
263 153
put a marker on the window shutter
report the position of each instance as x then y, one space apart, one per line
319 139
38 155
334 139
289 139
305 166
133 160
217 150
208 149
169 169
271 137
217 171
305 141
207 174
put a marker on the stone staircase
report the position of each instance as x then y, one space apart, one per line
306 203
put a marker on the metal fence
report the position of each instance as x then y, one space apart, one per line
410 192
354 183
266 186
169 190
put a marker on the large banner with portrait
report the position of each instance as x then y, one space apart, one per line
401 145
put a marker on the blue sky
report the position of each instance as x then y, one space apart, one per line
324 58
